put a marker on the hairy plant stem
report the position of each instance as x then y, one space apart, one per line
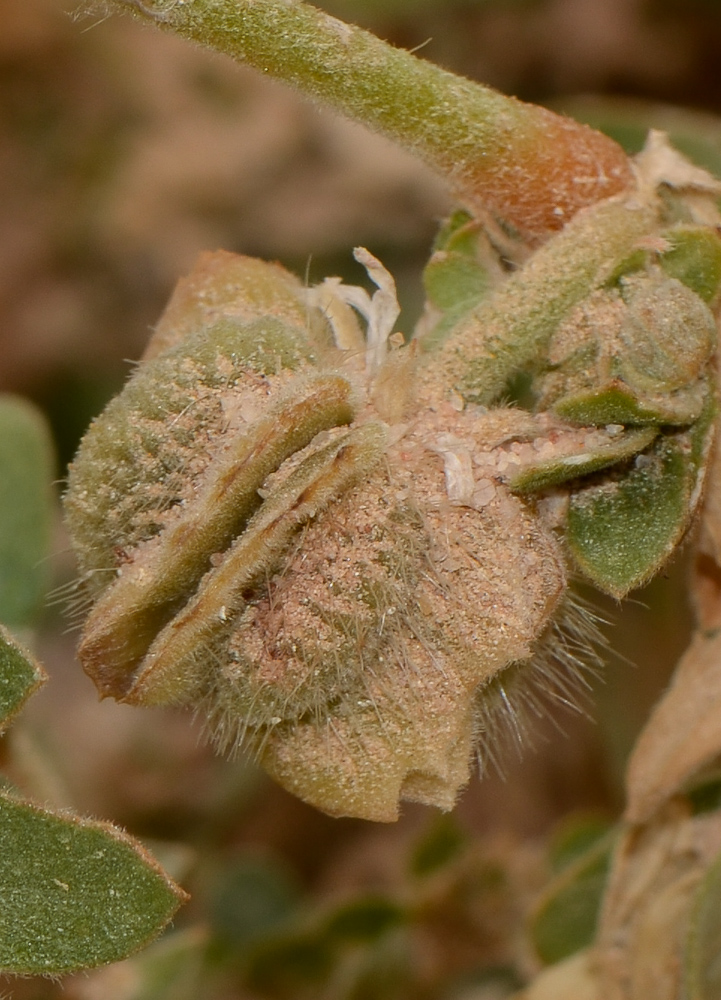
532 168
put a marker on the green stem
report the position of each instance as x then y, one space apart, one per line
525 164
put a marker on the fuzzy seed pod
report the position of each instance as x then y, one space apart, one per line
323 541
258 542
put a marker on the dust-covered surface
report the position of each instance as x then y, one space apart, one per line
124 155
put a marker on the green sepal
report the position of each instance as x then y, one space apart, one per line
702 968
621 531
458 275
143 600
694 259
74 893
455 274
20 676
553 472
27 468
564 919
616 403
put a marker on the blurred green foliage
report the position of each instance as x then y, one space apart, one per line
702 973
27 465
564 918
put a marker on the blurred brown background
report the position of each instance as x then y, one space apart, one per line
123 154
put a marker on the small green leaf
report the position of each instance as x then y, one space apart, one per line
458 232
20 676
581 462
460 272
456 275
26 503
74 893
565 918
702 959
621 531
639 353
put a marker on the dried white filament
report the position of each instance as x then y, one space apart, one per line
380 311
